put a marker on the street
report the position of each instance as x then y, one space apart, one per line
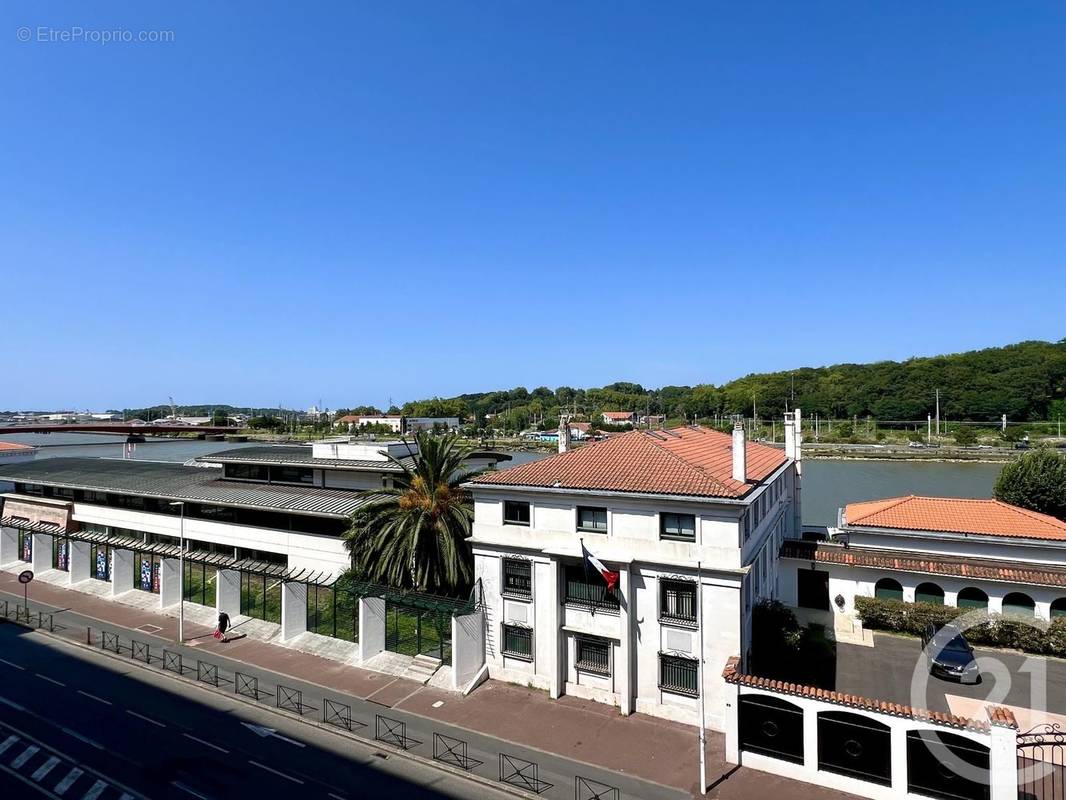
77 724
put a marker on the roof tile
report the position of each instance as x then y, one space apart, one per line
954 515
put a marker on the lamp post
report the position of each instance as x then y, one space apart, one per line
181 572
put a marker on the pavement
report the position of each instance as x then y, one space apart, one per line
641 756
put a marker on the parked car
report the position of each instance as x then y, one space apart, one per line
915 444
949 655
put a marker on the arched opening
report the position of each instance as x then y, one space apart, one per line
972 597
1020 604
854 745
771 727
888 589
929 593
1058 607
946 765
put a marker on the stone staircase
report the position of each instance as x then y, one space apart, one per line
421 669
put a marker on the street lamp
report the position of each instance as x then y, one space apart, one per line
181 572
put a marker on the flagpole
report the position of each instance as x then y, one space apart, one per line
703 726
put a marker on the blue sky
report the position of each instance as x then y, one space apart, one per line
364 201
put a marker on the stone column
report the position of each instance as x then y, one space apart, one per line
228 592
1003 756
9 545
293 609
78 561
548 600
169 582
810 738
122 576
898 754
624 668
371 626
42 552
731 701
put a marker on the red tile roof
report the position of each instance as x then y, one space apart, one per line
954 515
12 446
618 414
956 566
998 714
682 461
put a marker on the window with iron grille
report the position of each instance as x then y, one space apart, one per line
593 655
518 642
677 601
681 527
679 675
592 520
517 578
515 513
587 590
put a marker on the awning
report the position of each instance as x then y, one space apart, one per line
37 527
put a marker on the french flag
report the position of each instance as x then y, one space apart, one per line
609 576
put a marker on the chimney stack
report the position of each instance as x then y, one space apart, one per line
790 435
798 433
740 452
564 434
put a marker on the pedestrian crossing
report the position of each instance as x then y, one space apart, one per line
53 772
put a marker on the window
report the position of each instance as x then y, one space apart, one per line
66 494
929 593
746 523
593 655
677 601
1019 604
246 472
25 545
679 674
515 513
587 591
677 526
593 520
972 597
517 578
888 589
518 642
291 475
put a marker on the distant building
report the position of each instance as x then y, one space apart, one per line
393 422
429 423
652 420
618 417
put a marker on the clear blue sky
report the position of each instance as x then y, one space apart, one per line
358 201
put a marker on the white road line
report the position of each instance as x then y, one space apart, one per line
45 768
68 781
13 664
184 788
94 697
11 703
81 738
205 743
96 790
50 680
146 719
27 754
271 769
8 742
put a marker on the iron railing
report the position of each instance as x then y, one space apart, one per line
522 773
290 699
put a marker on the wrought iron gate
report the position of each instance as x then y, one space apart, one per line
1041 763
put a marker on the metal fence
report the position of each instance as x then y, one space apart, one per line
207 673
141 651
588 789
172 662
109 641
337 714
290 699
247 685
522 773
449 750
393 731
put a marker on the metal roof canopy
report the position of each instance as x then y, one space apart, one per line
37 527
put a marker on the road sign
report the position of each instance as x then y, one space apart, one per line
26 576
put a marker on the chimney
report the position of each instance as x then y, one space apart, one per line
790 435
798 433
564 433
740 453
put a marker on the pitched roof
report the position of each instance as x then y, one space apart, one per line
954 515
298 455
956 566
15 446
682 461
618 414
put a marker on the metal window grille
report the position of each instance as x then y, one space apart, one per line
593 655
678 526
518 642
679 675
677 601
590 593
517 577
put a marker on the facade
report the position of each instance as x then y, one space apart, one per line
958 552
618 417
392 421
412 424
691 519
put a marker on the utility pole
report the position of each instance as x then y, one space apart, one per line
929 428
938 412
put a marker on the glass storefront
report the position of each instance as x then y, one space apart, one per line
25 545
61 553
101 560
146 572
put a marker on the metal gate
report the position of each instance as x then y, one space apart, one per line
771 726
946 765
855 745
1041 763
417 631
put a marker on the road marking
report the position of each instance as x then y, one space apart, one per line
96 790
8 742
94 697
337 796
146 719
50 680
271 769
27 754
68 781
208 744
264 731
13 664
81 738
11 703
184 788
45 768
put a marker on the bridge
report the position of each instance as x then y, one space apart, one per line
117 427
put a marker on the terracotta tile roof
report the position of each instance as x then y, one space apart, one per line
732 674
618 414
954 515
682 461
13 446
956 566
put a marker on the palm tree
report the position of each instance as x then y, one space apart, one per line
414 535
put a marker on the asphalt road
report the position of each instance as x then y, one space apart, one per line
77 724
886 671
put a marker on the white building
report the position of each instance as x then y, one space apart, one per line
618 417
412 424
393 422
691 519
944 550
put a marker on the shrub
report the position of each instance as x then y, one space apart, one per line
1055 638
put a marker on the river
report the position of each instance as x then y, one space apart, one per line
827 483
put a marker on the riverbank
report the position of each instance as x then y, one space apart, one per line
837 452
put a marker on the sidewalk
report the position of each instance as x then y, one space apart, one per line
639 746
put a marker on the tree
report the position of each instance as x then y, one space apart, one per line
1037 481
414 536
965 436
219 418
